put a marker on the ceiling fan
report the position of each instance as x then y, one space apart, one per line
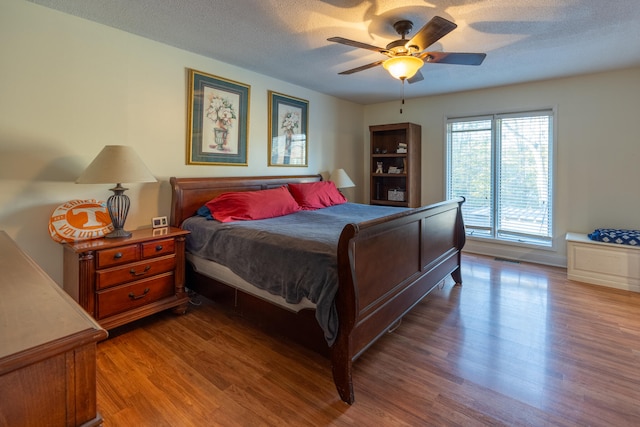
406 57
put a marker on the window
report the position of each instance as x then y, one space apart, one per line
502 165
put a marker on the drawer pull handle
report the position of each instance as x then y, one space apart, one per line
134 273
158 248
118 255
134 297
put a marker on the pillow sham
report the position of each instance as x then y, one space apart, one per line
250 205
316 195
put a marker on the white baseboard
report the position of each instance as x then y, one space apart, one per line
516 253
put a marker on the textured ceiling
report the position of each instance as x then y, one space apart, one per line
525 40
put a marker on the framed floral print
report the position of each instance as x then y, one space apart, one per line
288 130
218 120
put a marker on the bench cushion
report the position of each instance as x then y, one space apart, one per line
616 235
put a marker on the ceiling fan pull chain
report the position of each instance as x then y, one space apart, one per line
402 96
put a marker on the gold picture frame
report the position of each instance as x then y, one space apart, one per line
288 130
218 120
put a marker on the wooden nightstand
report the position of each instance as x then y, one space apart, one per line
124 279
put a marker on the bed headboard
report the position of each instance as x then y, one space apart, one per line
189 194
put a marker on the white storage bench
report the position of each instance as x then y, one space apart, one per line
606 264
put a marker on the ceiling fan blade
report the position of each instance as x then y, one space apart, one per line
417 77
433 31
353 43
362 67
453 58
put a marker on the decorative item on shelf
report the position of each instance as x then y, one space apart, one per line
116 163
394 170
402 148
341 179
379 167
396 195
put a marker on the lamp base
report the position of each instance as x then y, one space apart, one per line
118 207
118 233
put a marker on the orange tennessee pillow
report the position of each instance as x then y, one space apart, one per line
78 220
316 195
248 205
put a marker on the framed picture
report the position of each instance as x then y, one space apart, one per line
218 120
288 130
158 222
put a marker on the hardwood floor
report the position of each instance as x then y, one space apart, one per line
516 345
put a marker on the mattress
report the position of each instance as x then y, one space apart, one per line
293 256
225 275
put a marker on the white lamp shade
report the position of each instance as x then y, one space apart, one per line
341 179
116 164
403 67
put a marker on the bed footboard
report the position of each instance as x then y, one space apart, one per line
386 267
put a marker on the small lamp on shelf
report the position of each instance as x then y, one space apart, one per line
341 179
116 163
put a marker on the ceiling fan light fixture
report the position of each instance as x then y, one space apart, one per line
403 67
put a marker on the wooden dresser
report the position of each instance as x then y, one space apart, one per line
124 279
47 348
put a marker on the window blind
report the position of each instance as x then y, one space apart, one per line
502 165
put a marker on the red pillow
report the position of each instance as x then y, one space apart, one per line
316 195
247 205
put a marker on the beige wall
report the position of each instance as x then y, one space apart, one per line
70 86
598 147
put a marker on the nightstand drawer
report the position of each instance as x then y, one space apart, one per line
116 256
123 298
136 271
157 248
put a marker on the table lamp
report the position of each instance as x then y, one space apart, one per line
341 179
116 163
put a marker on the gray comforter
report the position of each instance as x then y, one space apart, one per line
293 256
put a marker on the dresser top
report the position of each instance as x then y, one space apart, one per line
35 313
137 236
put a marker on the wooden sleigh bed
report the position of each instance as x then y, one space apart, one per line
385 267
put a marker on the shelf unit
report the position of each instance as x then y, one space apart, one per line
395 189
